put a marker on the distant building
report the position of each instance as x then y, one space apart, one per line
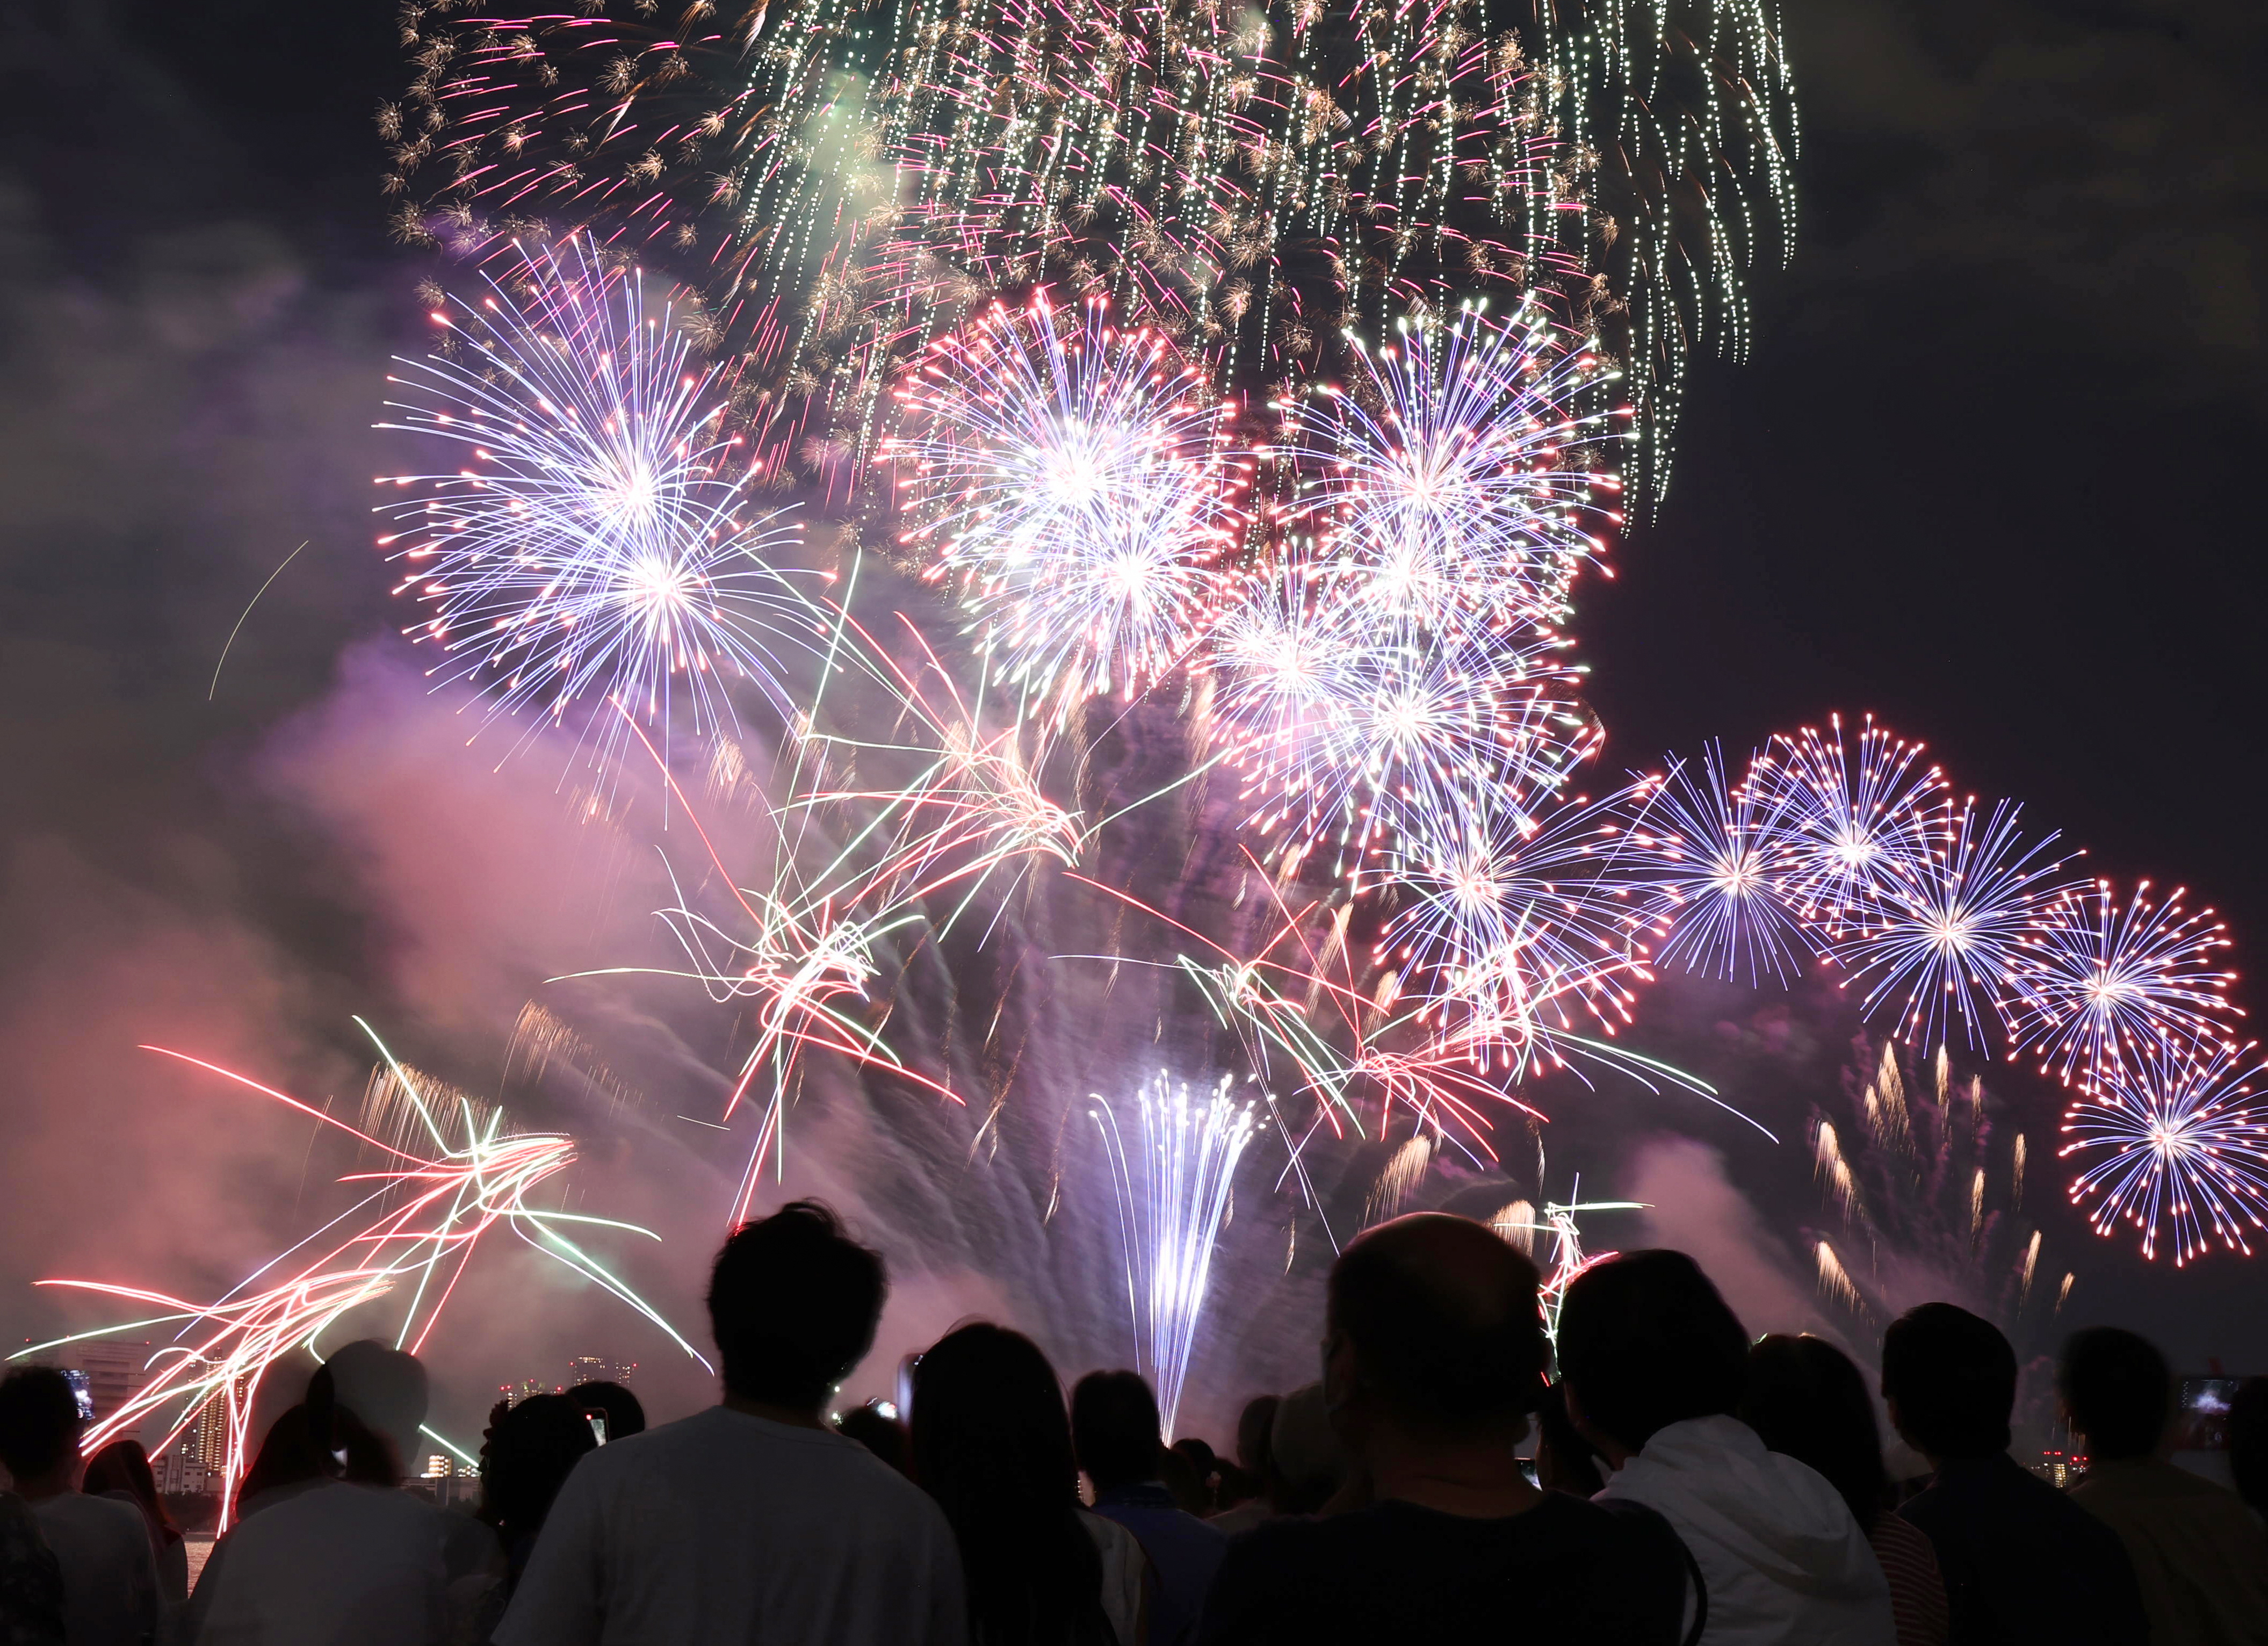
116 1370
513 1393
600 1369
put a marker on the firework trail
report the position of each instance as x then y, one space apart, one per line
2100 984
1074 479
843 189
433 1207
1927 1188
2175 1142
599 543
1174 1179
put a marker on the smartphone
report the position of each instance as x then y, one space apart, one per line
2201 1416
597 1421
82 1388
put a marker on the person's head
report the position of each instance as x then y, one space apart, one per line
618 1405
2248 1443
2116 1391
1807 1401
39 1427
991 1443
384 1387
1433 1330
305 1442
124 1466
1645 1341
1310 1461
793 1304
526 1460
1252 1426
883 1435
1949 1379
1115 1428
1564 1461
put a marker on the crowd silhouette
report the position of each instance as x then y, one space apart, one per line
1682 1486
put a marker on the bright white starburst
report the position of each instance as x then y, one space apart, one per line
2176 1142
2100 980
598 543
1074 479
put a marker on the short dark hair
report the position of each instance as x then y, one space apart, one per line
793 1304
1807 1401
2118 1391
1442 1311
1646 1340
528 1459
1115 1428
1953 1379
38 1419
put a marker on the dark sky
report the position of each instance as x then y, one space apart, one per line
1990 474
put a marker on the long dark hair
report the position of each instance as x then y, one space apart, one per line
124 1466
991 1443
1807 1399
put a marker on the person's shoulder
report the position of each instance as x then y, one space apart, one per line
83 1508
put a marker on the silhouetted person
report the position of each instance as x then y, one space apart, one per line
2020 1562
884 1436
1310 1461
387 1391
1114 1428
1434 1358
31 1583
1654 1365
121 1470
752 1521
2199 1555
1253 1457
101 1544
1193 1470
525 1460
993 1444
323 1550
2248 1443
624 1416
1808 1400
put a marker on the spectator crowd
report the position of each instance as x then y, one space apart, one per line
1684 1485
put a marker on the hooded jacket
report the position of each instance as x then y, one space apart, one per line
1785 1560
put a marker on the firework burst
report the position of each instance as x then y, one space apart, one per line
1701 846
1470 492
2176 1144
598 543
1945 947
1075 479
2099 982
1849 819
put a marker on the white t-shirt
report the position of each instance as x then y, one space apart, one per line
333 1565
1122 1566
726 1529
110 1581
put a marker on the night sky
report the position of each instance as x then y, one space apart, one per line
1991 473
